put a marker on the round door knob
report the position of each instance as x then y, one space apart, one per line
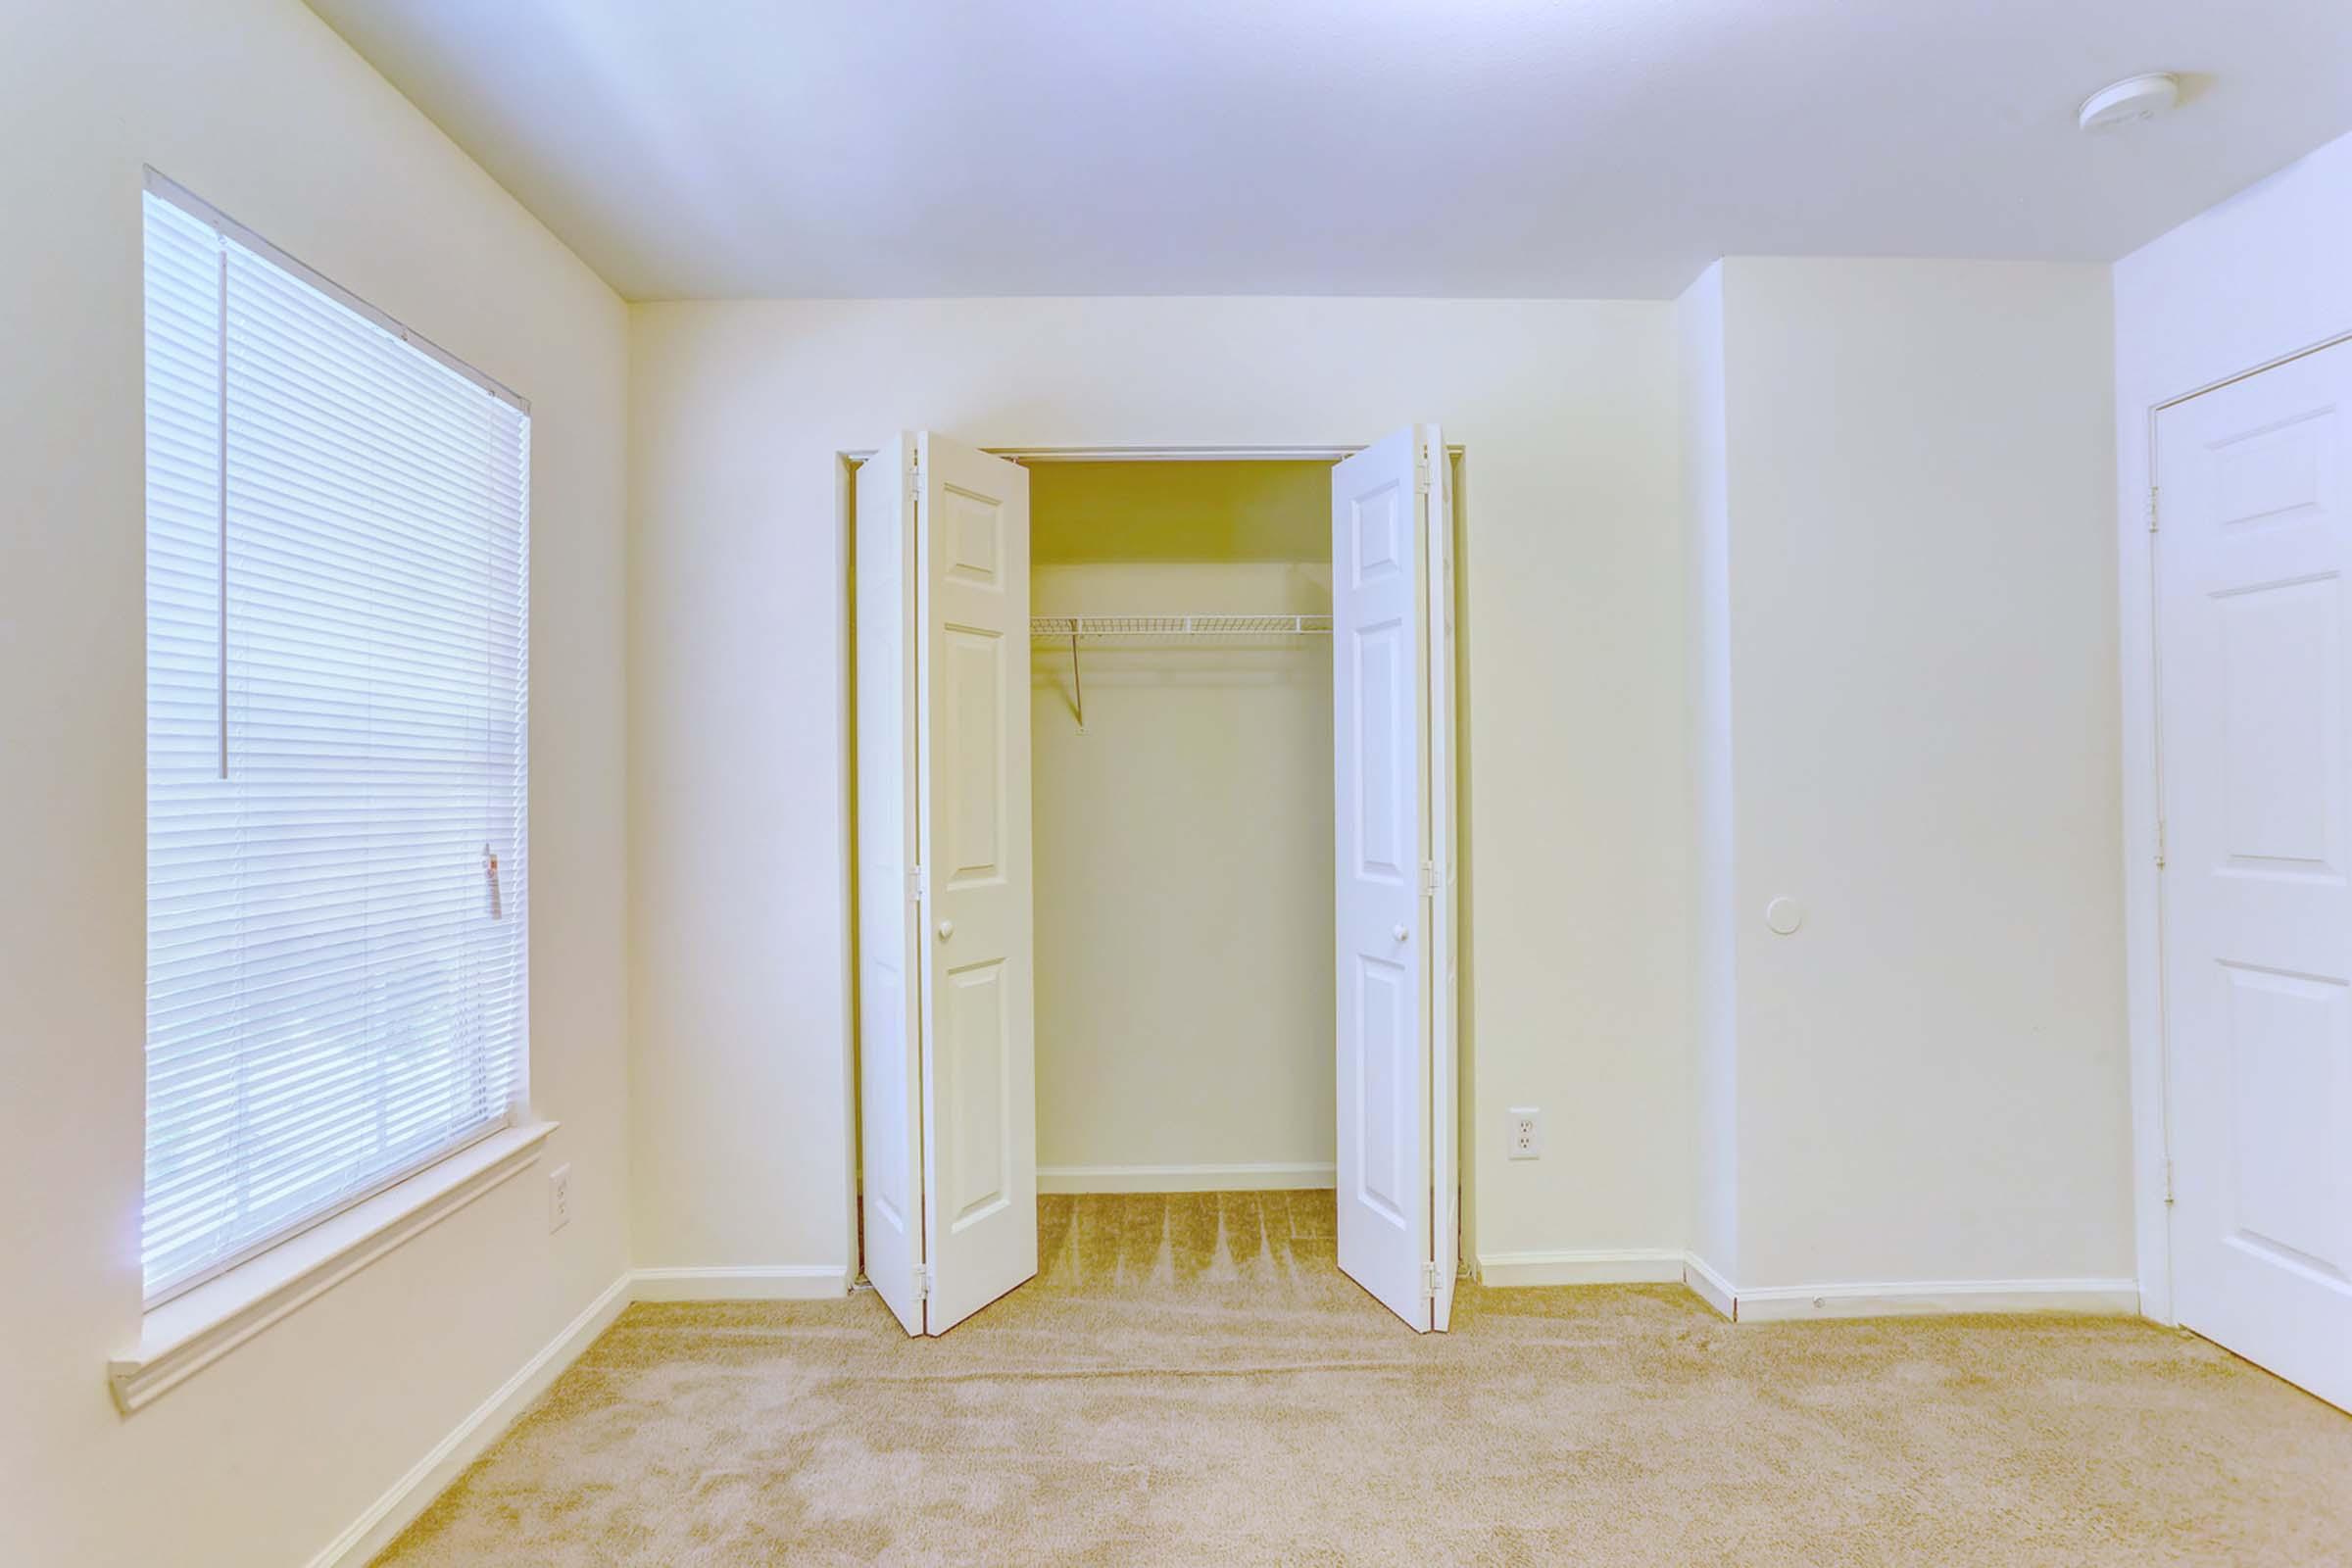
946 929
1398 932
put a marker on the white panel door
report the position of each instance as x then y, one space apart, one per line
889 1010
2255 540
979 1026
1390 977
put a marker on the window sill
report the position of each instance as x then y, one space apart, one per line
189 1332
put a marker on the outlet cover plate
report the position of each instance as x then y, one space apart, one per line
1523 1133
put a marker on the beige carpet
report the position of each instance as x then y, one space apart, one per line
1188 1380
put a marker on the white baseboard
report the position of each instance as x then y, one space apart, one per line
784 1282
1783 1302
1182 1178
392 1512
1911 1299
1631 1266
1710 1287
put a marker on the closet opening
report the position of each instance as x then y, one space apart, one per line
1153 873
1181 822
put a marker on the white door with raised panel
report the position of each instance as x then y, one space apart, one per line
947 1064
1391 545
979 1016
2252 552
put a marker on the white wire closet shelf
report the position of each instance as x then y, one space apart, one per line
1061 628
1071 631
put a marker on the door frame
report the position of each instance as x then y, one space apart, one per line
846 462
2141 667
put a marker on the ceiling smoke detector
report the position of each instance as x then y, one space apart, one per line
2129 100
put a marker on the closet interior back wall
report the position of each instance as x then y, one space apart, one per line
1184 876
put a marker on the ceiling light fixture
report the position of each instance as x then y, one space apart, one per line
2129 100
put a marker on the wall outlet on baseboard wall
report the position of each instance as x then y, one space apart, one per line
1523 1133
558 1197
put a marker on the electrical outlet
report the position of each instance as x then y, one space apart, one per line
1522 1134
558 1197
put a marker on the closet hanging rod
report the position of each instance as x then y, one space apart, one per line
1061 628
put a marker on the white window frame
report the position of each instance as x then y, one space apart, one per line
198 1317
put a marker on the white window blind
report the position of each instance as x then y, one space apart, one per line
337 569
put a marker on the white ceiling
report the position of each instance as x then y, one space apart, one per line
1579 148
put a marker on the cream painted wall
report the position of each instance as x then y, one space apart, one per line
1176 512
2265 273
1185 1010
1930 1077
265 1456
1572 639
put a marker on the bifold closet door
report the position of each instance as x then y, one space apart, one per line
979 1019
1392 630
947 1052
890 1043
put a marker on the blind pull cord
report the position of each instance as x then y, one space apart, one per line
221 366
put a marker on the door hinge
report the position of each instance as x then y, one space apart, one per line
1421 470
923 1281
1429 879
916 891
2168 1181
2160 843
1432 1279
2152 509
